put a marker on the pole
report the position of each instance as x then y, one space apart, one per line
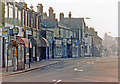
14 22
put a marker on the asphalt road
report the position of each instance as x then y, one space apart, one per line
72 70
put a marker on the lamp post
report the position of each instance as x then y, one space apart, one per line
107 41
14 56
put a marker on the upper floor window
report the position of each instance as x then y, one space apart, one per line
6 11
19 15
16 13
10 12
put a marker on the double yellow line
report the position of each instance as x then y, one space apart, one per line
13 75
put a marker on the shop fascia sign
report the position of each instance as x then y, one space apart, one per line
21 31
28 32
34 33
59 42
5 31
14 31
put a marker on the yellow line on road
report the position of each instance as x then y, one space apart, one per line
16 74
13 75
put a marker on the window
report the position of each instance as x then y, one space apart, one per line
6 11
10 11
19 15
16 13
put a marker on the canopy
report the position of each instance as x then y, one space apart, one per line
42 42
26 41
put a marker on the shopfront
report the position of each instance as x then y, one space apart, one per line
28 45
33 49
42 48
58 48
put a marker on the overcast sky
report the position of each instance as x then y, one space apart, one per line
103 13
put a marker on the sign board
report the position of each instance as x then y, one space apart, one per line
15 30
28 32
78 42
5 32
21 32
34 33
0 31
58 42
10 31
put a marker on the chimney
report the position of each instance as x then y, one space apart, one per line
54 15
45 14
51 14
70 14
40 9
61 16
31 7
96 33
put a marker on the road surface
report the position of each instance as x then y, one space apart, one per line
72 70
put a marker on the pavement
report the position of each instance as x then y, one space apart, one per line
33 66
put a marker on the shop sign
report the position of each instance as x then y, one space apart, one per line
21 32
58 42
34 33
15 30
5 32
10 31
28 32
77 44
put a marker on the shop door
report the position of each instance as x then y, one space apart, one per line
58 52
21 57
69 50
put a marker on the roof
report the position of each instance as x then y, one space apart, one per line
49 23
63 26
73 23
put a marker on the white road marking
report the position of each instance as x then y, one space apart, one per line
78 70
54 80
59 81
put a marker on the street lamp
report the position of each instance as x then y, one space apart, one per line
14 22
107 40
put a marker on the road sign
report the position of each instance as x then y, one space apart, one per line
5 31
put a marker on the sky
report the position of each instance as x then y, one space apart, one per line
103 13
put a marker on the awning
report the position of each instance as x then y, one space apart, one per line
42 42
20 40
26 41
46 42
34 42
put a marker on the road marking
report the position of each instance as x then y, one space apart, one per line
78 70
18 74
54 80
59 81
13 75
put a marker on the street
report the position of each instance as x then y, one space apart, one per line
72 70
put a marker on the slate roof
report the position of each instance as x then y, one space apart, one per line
49 23
73 23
